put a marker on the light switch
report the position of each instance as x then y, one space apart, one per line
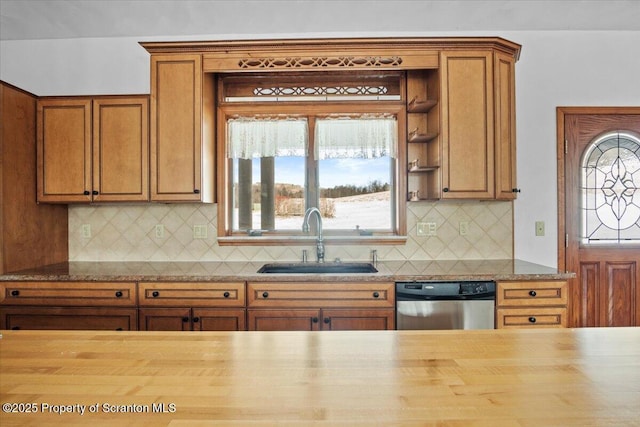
199 231
426 229
539 228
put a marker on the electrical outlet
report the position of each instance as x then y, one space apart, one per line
426 229
463 228
199 231
539 228
159 231
86 231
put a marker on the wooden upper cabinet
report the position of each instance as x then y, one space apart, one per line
93 149
479 136
181 146
467 125
64 150
121 149
505 126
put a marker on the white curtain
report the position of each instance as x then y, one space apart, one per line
248 138
363 138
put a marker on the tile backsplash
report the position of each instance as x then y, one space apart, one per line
128 233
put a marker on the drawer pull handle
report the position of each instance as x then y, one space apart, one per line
118 294
185 319
196 319
118 329
533 293
155 294
15 293
265 294
532 319
15 328
376 294
226 294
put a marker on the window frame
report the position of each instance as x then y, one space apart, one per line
227 110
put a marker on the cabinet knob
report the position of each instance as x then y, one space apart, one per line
15 328
155 294
445 189
95 192
118 294
532 319
314 319
86 192
327 320
119 329
533 293
196 319
185 319
265 294
226 294
15 293
515 190
196 191
376 294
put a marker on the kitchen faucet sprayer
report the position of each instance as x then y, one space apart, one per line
305 229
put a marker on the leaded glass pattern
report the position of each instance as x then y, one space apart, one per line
611 190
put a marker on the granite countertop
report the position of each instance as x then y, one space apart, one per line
247 271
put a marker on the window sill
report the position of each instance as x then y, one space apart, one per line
310 240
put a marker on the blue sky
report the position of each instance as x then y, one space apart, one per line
333 172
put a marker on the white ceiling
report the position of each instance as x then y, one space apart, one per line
52 19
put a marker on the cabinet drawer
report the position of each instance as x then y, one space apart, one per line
192 294
531 318
326 295
531 293
68 293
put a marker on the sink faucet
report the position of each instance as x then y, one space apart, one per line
305 229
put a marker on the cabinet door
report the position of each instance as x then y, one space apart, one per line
120 149
50 318
358 319
505 130
165 319
64 150
467 125
211 319
283 320
176 129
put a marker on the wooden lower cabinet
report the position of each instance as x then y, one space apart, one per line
534 304
192 306
69 318
192 319
320 306
68 305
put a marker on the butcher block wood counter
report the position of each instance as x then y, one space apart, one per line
550 377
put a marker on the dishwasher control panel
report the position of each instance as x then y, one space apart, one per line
446 290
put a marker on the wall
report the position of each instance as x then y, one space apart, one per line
556 68
127 232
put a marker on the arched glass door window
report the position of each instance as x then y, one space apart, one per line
611 190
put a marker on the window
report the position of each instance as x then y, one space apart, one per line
338 153
611 190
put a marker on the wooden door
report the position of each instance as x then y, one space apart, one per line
505 126
283 320
120 149
176 108
219 319
165 319
599 176
467 125
358 319
64 150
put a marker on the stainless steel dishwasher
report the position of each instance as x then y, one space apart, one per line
445 305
